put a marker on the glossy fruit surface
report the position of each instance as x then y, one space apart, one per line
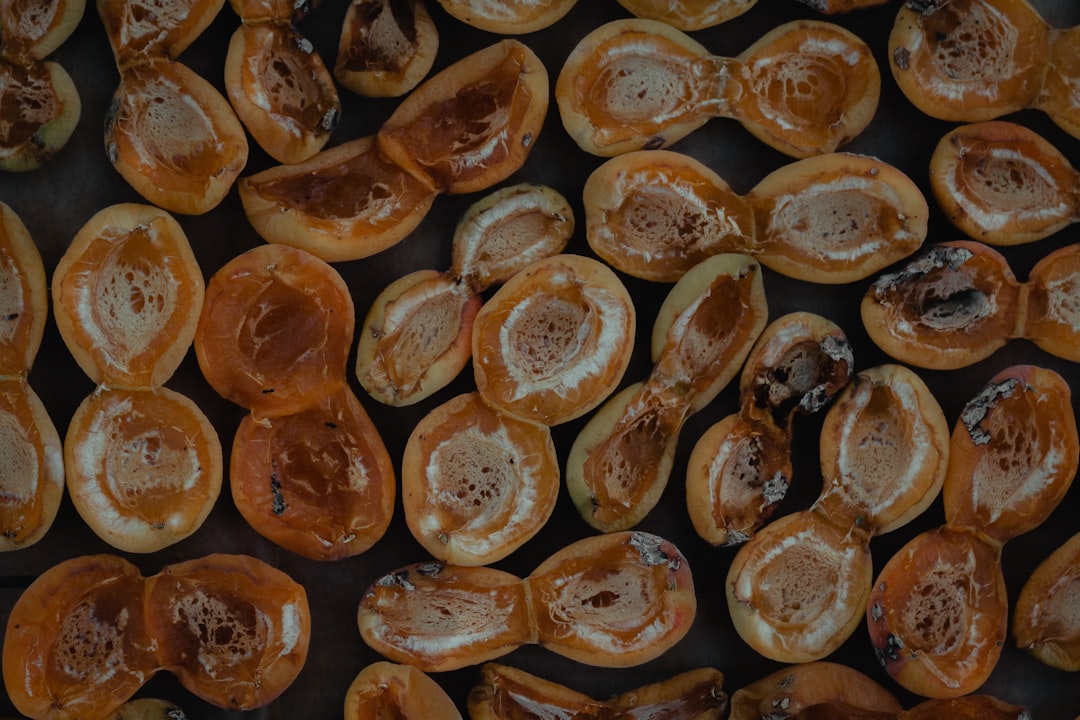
1045 622
385 689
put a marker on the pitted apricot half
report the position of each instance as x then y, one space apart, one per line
837 218
233 629
621 460
275 330
386 47
33 29
143 29
127 294
174 138
504 693
1052 320
318 482
1013 455
938 612
555 340
1057 98
1004 184
144 466
884 451
508 229
1045 621
76 643
33 481
797 590
24 295
967 707
439 617
474 123
613 600
281 90
416 337
807 87
41 109
800 688
688 15
273 10
509 17
477 483
344 203
951 305
391 690
969 60
654 214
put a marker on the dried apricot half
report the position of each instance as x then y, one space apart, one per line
77 644
127 294
385 689
386 48
144 466
45 108
32 29
802 687
1004 184
139 30
688 15
24 295
1053 316
318 482
1057 99
233 629
1045 621
477 483
554 341
509 17
275 331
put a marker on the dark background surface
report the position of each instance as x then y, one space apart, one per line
56 200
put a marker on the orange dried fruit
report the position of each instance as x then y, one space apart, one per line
1004 184
740 468
281 90
1014 453
344 203
1051 317
804 88
608 600
688 15
386 48
32 29
800 688
620 462
45 110
318 482
504 692
275 331
967 707
141 29
477 483
635 202
938 612
233 629
77 644
833 218
174 138
509 17
144 467
127 294
1045 621
554 341
24 295
385 689
1062 71
472 124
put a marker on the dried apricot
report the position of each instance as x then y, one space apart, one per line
967 707
688 15
32 29
509 17
386 48
1045 621
24 295
477 483
1051 319
385 689
77 644
141 29
318 482
802 687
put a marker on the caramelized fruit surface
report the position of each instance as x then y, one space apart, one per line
390 690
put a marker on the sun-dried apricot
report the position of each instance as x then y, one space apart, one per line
477 483
509 17
804 88
318 482
1045 620
33 29
505 693
389 690
1004 184
1052 320
139 29
472 124
554 341
1056 98
386 48
620 462
281 90
77 644
233 629
799 688
967 707
24 295
127 294
688 15
275 331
